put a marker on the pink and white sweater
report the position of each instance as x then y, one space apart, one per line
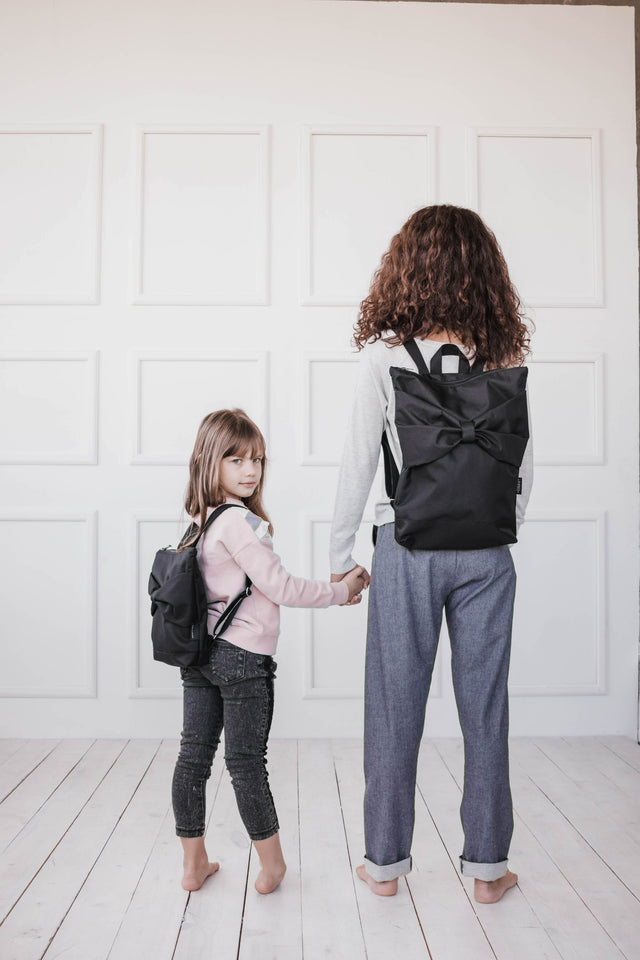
238 542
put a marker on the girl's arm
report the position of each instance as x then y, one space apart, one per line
359 460
247 540
263 567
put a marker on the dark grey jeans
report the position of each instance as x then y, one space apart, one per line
235 691
409 591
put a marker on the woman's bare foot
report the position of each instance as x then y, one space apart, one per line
490 891
196 863
383 888
271 862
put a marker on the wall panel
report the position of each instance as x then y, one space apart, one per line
171 393
348 218
202 206
539 191
49 408
50 197
566 397
48 599
560 619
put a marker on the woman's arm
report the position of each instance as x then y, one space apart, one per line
359 460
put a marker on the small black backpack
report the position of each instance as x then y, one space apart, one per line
463 436
179 603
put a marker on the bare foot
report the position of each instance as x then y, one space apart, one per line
271 862
268 881
196 863
195 874
490 891
383 888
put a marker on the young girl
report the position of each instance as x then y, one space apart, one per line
443 280
234 689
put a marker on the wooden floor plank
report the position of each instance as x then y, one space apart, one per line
272 927
612 770
574 930
625 748
609 836
213 918
25 855
10 746
510 925
330 918
95 860
450 923
389 925
35 789
602 777
152 922
92 923
29 928
611 903
22 762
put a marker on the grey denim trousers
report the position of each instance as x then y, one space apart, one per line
233 691
408 594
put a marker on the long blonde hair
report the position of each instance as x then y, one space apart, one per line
223 433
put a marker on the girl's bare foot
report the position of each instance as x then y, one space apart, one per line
383 888
196 863
271 862
490 891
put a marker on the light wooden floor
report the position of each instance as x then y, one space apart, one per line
90 866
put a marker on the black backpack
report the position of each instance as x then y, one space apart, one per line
179 603
463 437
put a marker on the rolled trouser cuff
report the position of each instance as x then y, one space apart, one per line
387 871
483 871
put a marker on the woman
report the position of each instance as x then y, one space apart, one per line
443 280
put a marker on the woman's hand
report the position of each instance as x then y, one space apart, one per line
357 580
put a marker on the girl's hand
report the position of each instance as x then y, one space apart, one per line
356 580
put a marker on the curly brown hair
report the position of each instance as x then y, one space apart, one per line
444 272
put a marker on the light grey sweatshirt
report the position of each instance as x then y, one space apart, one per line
372 412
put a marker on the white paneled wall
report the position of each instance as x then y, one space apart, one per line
345 231
163 433
51 583
195 198
203 207
549 180
50 196
49 409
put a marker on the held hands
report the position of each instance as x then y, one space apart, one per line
356 580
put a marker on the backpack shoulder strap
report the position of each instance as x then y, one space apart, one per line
413 350
215 514
212 516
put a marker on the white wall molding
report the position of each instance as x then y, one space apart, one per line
308 296
260 369
599 685
596 454
89 401
141 295
89 688
89 292
308 457
592 134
